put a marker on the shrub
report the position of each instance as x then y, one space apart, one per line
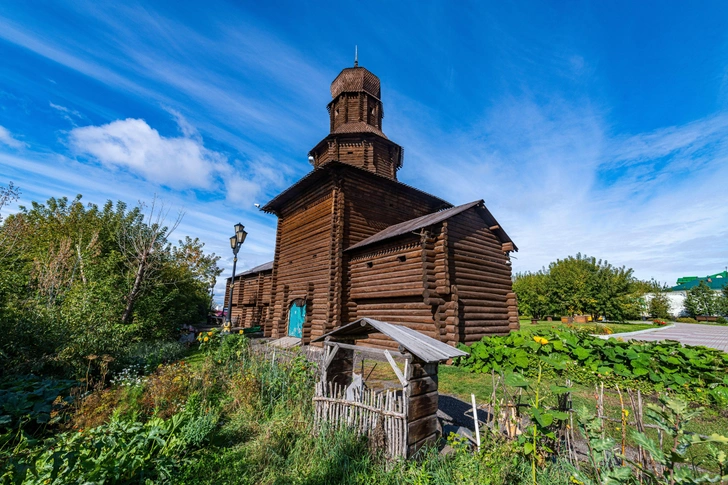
721 320
33 400
686 320
118 452
166 391
146 356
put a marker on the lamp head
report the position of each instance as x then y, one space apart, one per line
239 228
241 235
233 242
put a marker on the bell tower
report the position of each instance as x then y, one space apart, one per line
355 126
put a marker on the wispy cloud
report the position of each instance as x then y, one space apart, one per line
560 182
6 138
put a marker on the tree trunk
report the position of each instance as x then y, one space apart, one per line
131 298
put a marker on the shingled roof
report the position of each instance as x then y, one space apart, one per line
431 219
356 79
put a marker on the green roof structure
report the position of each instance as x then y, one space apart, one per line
715 281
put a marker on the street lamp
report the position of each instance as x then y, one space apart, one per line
235 242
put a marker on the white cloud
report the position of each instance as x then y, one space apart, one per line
560 182
177 162
6 138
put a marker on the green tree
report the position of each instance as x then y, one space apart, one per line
701 300
532 294
579 285
659 306
79 279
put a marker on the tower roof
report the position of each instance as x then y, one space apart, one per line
356 79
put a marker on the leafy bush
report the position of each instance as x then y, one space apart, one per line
686 320
585 358
118 452
32 400
721 320
146 356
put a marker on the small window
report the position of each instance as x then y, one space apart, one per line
369 264
336 112
350 153
402 258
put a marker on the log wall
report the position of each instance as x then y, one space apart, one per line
251 299
386 283
480 280
303 262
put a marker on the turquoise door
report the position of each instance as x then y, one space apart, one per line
296 317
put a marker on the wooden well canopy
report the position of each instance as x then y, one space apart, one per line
424 348
409 418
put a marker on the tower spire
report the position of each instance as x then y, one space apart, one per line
356 56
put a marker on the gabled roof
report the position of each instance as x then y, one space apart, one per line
431 219
421 346
258 269
318 175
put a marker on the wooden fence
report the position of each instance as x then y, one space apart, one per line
380 415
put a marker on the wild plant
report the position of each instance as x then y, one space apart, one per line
676 465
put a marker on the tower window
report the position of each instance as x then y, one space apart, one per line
336 112
402 258
369 264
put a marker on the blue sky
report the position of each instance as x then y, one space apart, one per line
599 128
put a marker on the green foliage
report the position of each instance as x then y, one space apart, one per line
67 271
579 285
672 419
118 452
686 320
31 400
532 294
147 355
659 306
701 300
587 359
601 454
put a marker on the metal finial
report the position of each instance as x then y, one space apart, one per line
356 55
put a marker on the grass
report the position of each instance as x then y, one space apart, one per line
616 327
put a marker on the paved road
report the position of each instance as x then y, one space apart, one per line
714 336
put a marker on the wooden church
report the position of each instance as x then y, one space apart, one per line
352 241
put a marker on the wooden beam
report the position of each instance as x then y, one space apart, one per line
330 357
395 368
371 350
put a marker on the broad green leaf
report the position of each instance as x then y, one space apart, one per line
516 380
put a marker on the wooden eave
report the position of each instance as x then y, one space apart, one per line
435 218
421 346
319 175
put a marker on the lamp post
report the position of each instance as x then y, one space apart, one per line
235 242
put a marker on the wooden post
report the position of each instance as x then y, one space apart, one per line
422 403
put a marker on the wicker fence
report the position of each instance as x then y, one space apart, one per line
379 415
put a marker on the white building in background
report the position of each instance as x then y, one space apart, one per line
676 299
677 294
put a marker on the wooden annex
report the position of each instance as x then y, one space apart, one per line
352 242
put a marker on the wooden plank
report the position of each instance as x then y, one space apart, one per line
392 363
